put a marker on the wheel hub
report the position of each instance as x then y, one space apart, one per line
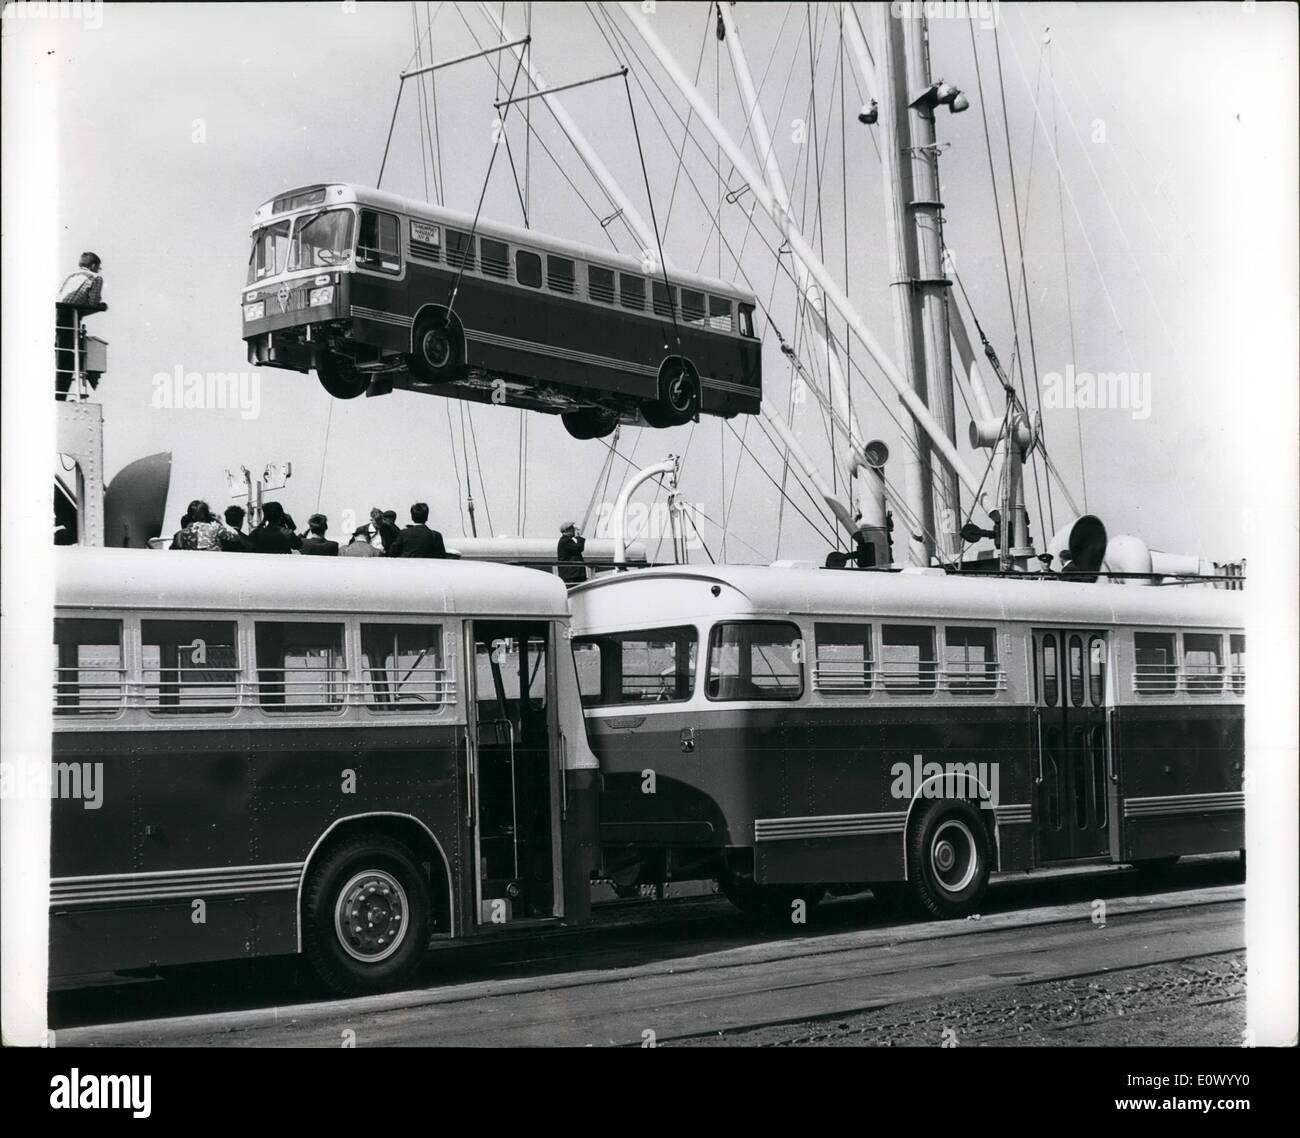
954 857
436 348
370 916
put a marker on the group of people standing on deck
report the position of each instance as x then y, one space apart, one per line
201 530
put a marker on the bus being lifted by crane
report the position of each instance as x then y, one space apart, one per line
373 291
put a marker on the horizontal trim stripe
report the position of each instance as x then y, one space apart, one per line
1172 804
828 826
171 885
727 385
1016 815
496 341
382 317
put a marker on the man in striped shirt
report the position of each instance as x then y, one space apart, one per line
80 295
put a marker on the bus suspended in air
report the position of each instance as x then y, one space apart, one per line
374 291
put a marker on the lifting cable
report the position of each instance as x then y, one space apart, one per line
1029 308
1069 302
603 472
421 110
654 221
723 531
466 254
455 468
1002 238
740 269
542 142
1105 196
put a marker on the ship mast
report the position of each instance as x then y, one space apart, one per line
909 159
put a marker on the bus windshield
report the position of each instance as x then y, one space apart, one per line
320 239
270 244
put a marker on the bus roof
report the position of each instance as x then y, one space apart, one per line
658 597
268 583
347 192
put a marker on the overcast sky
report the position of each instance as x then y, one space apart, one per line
176 121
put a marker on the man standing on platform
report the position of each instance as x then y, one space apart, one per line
417 539
314 541
569 554
80 295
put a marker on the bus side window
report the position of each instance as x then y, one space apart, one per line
631 291
907 657
844 659
754 660
1097 671
300 666
1076 672
720 316
693 307
1203 661
1050 685
190 665
654 666
587 661
378 245
747 320
559 275
663 299
495 257
90 675
401 667
460 250
971 659
600 284
528 269
1156 667
1237 661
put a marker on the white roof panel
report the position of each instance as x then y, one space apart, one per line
643 597
264 582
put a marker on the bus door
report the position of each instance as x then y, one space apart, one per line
1073 788
513 786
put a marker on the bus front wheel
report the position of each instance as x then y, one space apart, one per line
948 859
339 375
679 398
439 349
590 422
366 914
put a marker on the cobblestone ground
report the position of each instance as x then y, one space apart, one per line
1200 1002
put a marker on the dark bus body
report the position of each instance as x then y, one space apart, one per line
791 731
535 322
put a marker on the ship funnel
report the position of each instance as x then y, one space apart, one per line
1080 547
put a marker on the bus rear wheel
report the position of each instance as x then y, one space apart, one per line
439 349
590 422
679 398
339 375
948 859
366 913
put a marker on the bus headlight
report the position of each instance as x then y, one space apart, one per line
321 296
255 311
